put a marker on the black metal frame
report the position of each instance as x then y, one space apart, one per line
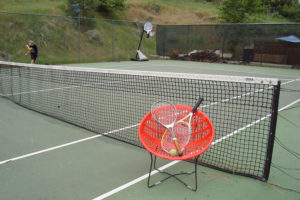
272 131
153 166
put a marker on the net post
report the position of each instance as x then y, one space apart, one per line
272 132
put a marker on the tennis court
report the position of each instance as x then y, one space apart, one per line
46 158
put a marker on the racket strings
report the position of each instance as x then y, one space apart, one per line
199 131
164 113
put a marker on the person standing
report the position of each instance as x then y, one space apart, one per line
33 50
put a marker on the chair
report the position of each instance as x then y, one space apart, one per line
202 135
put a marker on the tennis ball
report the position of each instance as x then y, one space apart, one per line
173 152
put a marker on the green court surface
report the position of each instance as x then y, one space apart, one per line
44 158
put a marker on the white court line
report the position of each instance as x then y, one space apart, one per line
287 106
103 196
59 88
257 121
210 69
63 88
63 145
245 94
46 150
288 82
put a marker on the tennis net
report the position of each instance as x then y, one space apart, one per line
243 110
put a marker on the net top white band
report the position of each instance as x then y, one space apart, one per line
223 78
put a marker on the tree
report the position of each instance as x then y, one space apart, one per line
277 5
82 8
234 11
87 8
292 12
108 6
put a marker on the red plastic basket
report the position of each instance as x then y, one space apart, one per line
150 133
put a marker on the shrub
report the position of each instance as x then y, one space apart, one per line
233 11
86 7
108 6
291 12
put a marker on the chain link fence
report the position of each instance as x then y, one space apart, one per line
64 39
231 42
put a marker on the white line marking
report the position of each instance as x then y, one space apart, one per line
226 78
67 87
64 145
46 150
288 82
59 88
240 129
103 196
257 121
287 106
210 69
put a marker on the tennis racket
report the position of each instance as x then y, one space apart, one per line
181 129
165 113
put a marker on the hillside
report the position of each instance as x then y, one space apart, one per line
172 12
157 11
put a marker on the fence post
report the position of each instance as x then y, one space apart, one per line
78 24
112 40
164 39
188 40
36 27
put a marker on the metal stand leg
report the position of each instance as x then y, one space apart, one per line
153 166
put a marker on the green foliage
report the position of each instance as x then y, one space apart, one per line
278 5
108 6
291 12
287 8
233 11
86 7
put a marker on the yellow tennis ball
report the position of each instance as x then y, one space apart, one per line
173 152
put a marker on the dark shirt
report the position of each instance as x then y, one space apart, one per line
34 50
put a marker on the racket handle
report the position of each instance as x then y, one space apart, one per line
177 147
197 105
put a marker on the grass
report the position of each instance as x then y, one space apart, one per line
172 12
34 6
270 18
